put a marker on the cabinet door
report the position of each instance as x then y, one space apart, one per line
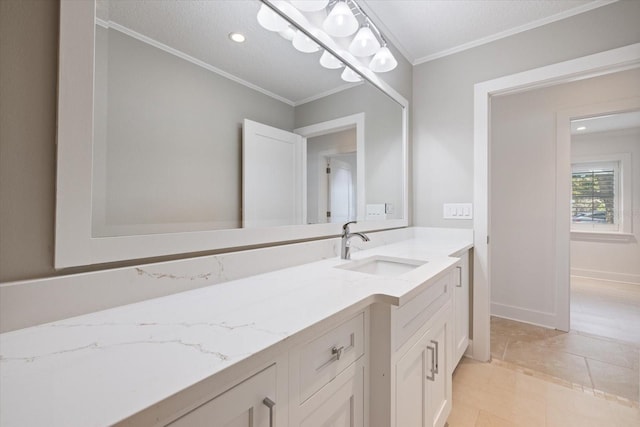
411 386
438 375
461 308
242 406
423 378
339 404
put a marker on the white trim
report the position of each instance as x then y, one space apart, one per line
336 125
609 276
512 31
327 93
535 317
74 243
575 69
601 236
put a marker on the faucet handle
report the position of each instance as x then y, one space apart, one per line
345 227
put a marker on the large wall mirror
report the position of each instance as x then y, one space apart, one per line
173 138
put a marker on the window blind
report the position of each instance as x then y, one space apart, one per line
593 196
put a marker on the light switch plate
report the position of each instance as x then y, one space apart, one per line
457 211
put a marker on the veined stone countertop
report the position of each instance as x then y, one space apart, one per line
100 368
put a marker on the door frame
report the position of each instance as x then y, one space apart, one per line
602 63
336 125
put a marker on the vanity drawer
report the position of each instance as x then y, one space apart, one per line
415 313
324 358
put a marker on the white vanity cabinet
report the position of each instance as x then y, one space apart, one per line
461 298
423 377
249 404
411 367
327 377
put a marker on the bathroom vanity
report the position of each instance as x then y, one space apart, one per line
367 341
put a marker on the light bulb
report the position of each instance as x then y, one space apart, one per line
270 20
383 61
364 43
327 60
340 22
304 44
348 75
310 5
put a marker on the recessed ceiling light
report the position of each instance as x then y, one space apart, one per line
581 128
237 37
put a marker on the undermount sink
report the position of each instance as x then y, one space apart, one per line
383 265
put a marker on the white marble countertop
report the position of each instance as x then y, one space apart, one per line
100 368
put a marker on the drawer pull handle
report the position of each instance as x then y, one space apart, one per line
436 352
269 404
459 284
337 352
433 371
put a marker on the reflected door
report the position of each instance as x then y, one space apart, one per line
273 176
341 191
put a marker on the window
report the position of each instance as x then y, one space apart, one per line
597 196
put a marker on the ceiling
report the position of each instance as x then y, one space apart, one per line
424 30
608 122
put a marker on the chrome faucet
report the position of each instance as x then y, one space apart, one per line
346 240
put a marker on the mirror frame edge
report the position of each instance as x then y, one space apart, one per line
74 243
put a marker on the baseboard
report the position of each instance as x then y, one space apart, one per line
534 317
633 279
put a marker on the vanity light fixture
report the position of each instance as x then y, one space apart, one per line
269 20
310 5
344 18
288 34
237 37
348 75
383 61
327 60
341 22
364 43
303 43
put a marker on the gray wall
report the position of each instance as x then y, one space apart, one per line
443 97
28 79
523 188
173 158
383 142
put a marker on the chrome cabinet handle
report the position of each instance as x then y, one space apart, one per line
336 355
337 352
433 372
436 353
269 404
459 285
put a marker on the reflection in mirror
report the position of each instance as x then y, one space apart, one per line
602 149
172 92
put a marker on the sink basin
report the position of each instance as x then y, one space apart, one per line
383 265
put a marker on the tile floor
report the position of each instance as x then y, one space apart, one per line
579 359
541 377
490 394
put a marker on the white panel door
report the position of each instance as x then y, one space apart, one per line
273 176
341 192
